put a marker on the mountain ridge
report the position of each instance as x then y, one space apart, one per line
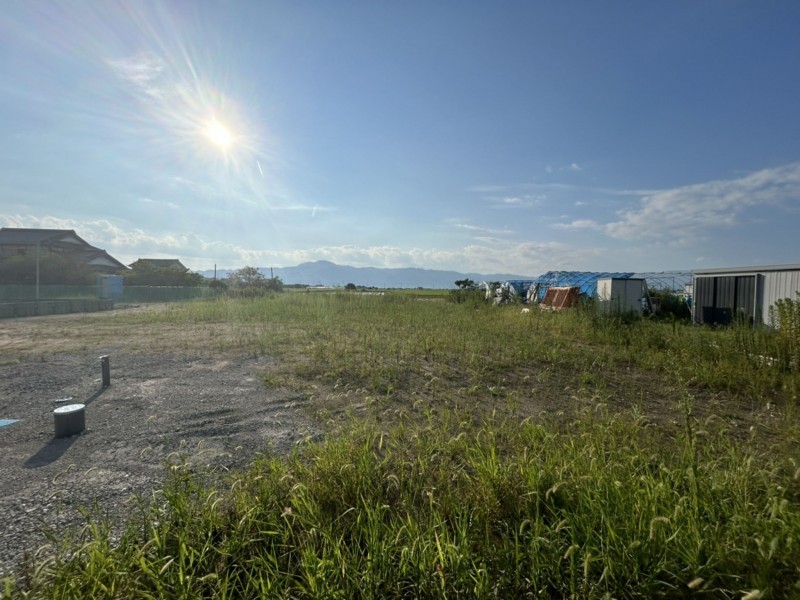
329 274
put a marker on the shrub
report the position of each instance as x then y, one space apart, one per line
785 317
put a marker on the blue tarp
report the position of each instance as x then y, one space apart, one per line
585 280
520 285
4 422
673 281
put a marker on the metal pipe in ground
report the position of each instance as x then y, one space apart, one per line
105 366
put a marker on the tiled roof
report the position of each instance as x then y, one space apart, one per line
21 236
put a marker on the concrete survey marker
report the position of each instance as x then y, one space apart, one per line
69 419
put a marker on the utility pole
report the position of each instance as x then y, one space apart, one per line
37 270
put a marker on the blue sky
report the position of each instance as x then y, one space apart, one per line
514 136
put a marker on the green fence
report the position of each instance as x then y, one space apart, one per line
36 308
17 293
14 293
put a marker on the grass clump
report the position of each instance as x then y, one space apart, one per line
453 507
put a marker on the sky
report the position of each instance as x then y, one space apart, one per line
518 136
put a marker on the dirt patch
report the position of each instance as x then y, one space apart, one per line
217 413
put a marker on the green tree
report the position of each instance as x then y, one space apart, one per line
350 287
274 284
218 284
249 281
146 274
466 284
670 305
247 278
467 292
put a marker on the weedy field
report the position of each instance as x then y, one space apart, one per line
472 451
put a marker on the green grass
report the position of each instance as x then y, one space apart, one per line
600 507
395 346
454 482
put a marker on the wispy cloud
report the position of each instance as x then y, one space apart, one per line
482 230
528 258
491 255
159 203
312 208
145 71
684 212
539 190
518 201
486 253
578 224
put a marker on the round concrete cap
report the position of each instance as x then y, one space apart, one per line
69 408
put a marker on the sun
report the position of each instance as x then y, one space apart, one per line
218 134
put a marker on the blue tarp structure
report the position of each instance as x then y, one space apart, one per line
521 286
585 280
673 281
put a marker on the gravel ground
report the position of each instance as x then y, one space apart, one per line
214 412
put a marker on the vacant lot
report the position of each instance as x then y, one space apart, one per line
219 384
215 410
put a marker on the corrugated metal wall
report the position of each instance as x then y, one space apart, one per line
777 285
718 300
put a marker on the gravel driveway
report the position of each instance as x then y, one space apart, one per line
214 412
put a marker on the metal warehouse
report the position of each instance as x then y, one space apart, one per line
722 295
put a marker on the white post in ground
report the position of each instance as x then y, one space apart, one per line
69 420
106 369
37 270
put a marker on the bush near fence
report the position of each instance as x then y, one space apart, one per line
166 293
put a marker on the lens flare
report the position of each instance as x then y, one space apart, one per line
218 134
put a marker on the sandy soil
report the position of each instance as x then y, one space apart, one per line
214 412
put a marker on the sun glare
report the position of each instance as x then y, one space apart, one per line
218 134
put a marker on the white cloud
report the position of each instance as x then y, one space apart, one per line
145 71
479 229
578 224
683 213
159 203
527 258
487 254
516 201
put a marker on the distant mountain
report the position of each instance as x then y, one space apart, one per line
326 273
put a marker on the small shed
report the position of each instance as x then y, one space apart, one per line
615 295
747 293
